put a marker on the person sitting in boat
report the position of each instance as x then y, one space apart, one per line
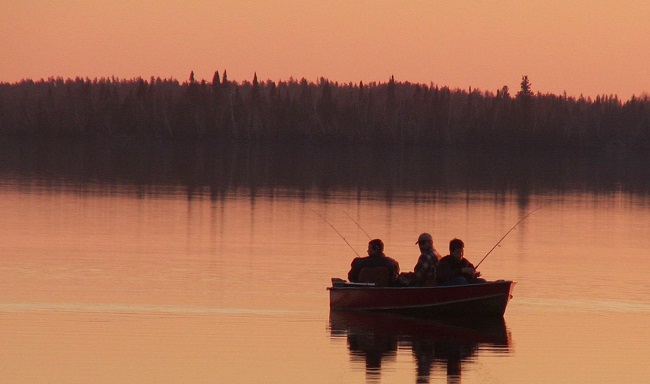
454 269
425 268
375 268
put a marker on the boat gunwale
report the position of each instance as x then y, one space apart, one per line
373 287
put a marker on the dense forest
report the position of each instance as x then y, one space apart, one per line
302 111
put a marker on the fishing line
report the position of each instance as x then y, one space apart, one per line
339 233
511 229
364 231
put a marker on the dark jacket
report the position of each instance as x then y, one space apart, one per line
449 268
373 261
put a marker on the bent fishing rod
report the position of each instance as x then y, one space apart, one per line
511 229
337 232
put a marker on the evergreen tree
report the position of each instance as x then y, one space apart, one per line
256 86
525 92
503 93
216 82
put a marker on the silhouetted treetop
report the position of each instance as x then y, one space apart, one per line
526 91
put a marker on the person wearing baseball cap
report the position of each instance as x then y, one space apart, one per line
424 273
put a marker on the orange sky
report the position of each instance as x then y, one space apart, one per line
588 47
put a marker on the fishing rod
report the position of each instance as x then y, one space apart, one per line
364 231
511 229
335 230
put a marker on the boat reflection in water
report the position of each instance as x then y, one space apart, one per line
375 338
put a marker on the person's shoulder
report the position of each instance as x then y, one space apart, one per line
391 259
357 260
445 258
433 256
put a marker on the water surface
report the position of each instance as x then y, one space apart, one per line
207 278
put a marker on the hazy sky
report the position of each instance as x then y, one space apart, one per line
588 47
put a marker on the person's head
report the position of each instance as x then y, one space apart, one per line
425 241
457 248
375 247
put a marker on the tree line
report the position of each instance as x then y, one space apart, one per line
390 112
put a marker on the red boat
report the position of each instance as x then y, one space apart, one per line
481 300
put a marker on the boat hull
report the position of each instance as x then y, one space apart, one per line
482 300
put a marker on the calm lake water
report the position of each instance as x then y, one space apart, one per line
199 264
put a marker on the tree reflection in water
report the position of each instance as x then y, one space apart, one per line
215 168
374 338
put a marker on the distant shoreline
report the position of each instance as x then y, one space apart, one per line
390 113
